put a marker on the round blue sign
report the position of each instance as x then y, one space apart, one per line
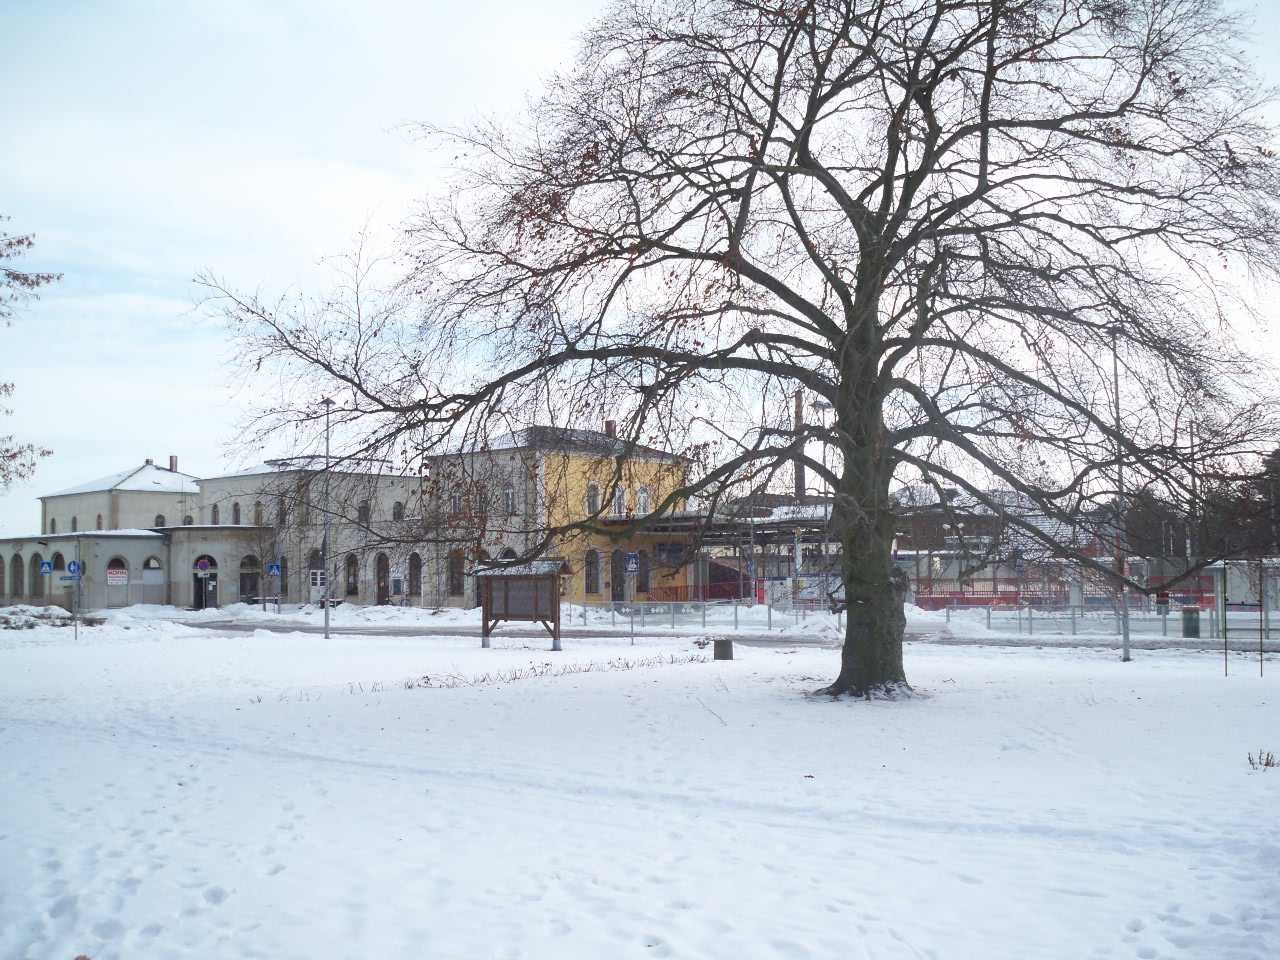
202 565
74 567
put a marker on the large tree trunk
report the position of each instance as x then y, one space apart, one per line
874 588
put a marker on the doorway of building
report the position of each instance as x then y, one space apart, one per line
618 576
204 590
382 571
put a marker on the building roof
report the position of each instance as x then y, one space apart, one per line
571 440
147 478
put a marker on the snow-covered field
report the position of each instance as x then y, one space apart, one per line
167 791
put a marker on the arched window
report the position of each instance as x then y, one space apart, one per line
1 576
619 501
509 501
257 513
284 579
214 515
593 498
17 578
37 581
282 512
117 572
642 500
99 521
397 511
159 521
59 563
457 574
235 513
250 576
455 505
507 554
591 572
362 511
53 525
152 572
75 524
353 575
415 575
644 581
187 521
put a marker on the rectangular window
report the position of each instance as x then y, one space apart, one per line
457 578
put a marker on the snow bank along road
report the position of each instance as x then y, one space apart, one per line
168 792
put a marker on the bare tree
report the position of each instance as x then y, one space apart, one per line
17 460
997 237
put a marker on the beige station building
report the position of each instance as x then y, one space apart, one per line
152 534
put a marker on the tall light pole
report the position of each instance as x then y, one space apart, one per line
1121 531
328 405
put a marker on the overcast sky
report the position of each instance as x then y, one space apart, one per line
145 141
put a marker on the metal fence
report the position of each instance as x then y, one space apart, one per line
712 615
1243 621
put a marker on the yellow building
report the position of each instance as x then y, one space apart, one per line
593 493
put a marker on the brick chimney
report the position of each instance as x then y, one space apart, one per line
150 462
611 428
173 463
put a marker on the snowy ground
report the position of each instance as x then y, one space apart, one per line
167 791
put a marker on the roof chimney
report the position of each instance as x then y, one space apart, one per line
150 462
800 455
610 428
173 461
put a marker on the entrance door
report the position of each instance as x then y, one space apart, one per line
204 588
382 570
618 576
204 591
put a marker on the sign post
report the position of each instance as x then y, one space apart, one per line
74 569
273 570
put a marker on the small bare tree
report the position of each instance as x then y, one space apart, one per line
996 236
17 460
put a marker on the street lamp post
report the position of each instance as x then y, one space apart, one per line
1121 527
328 405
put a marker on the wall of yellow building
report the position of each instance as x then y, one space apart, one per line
567 478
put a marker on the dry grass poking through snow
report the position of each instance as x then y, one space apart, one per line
450 680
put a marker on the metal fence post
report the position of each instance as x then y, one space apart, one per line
988 616
633 624
1164 623
642 613
1031 623
735 613
948 609
1073 621
768 612
704 614
613 612
673 614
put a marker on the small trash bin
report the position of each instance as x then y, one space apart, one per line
1191 621
723 648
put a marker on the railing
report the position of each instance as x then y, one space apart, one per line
698 592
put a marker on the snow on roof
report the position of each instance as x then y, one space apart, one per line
86 535
147 478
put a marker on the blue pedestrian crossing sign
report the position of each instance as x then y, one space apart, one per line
633 563
46 566
74 567
273 569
